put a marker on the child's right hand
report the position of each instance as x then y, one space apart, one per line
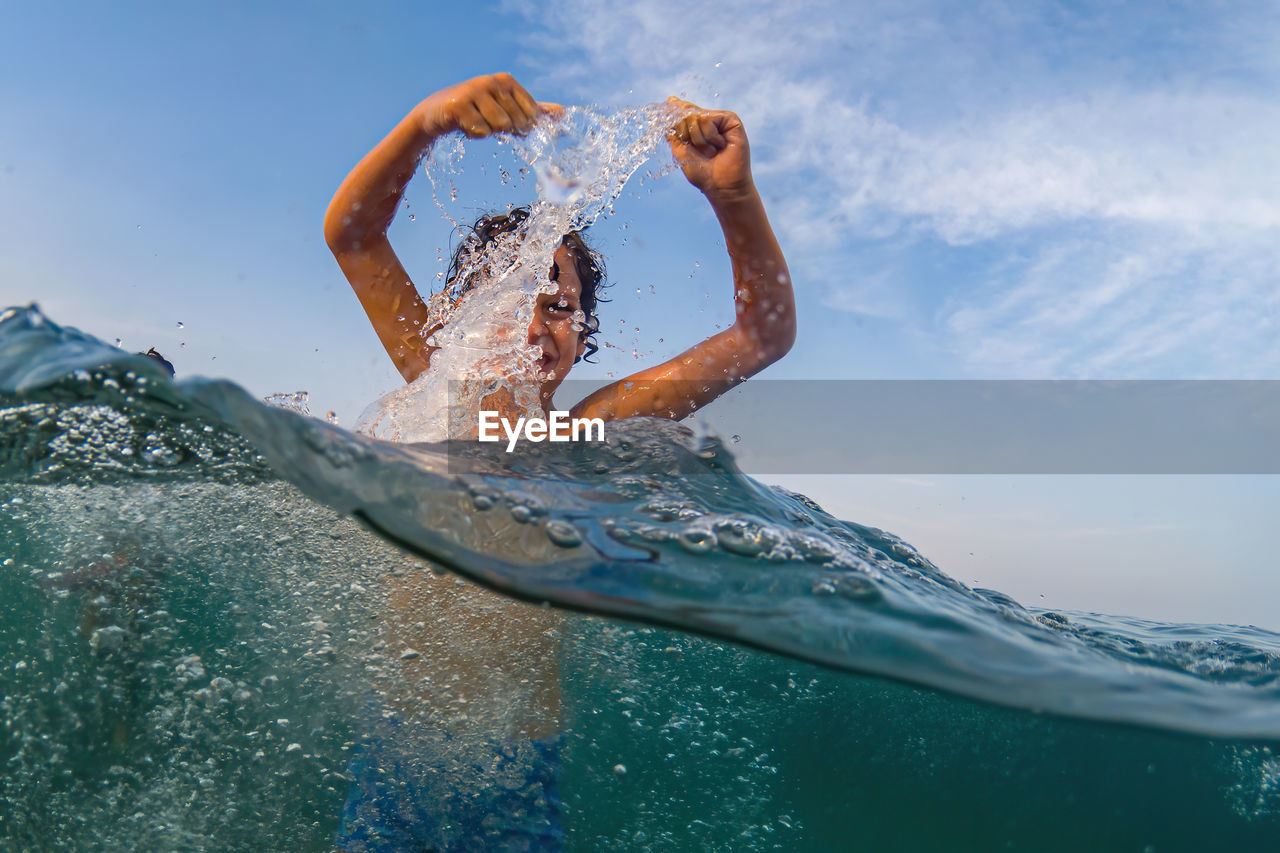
483 106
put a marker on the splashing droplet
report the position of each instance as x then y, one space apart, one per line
697 540
563 534
857 588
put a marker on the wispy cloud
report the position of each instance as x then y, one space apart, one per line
1124 172
872 295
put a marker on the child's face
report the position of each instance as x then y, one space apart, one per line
552 327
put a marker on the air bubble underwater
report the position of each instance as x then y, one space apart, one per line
215 704
563 533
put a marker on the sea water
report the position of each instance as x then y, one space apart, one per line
198 589
212 604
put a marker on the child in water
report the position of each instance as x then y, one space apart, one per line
391 806
711 148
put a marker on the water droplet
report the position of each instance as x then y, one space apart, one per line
620 769
697 540
735 438
181 325
745 538
563 534
482 502
857 588
813 549
521 513
413 218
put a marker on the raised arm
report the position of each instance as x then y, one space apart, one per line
355 225
712 150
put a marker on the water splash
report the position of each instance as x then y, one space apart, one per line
294 401
655 524
582 161
190 644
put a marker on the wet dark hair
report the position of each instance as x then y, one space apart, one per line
588 263
164 362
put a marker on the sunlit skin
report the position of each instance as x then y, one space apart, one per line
518 641
712 150
553 327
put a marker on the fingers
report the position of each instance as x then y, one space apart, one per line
516 102
496 103
503 117
470 120
705 135
511 109
702 131
524 100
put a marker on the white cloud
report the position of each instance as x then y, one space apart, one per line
872 295
1144 193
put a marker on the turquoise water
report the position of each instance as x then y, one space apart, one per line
209 599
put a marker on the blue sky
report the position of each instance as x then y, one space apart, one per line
963 189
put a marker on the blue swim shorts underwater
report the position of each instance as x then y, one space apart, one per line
447 794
